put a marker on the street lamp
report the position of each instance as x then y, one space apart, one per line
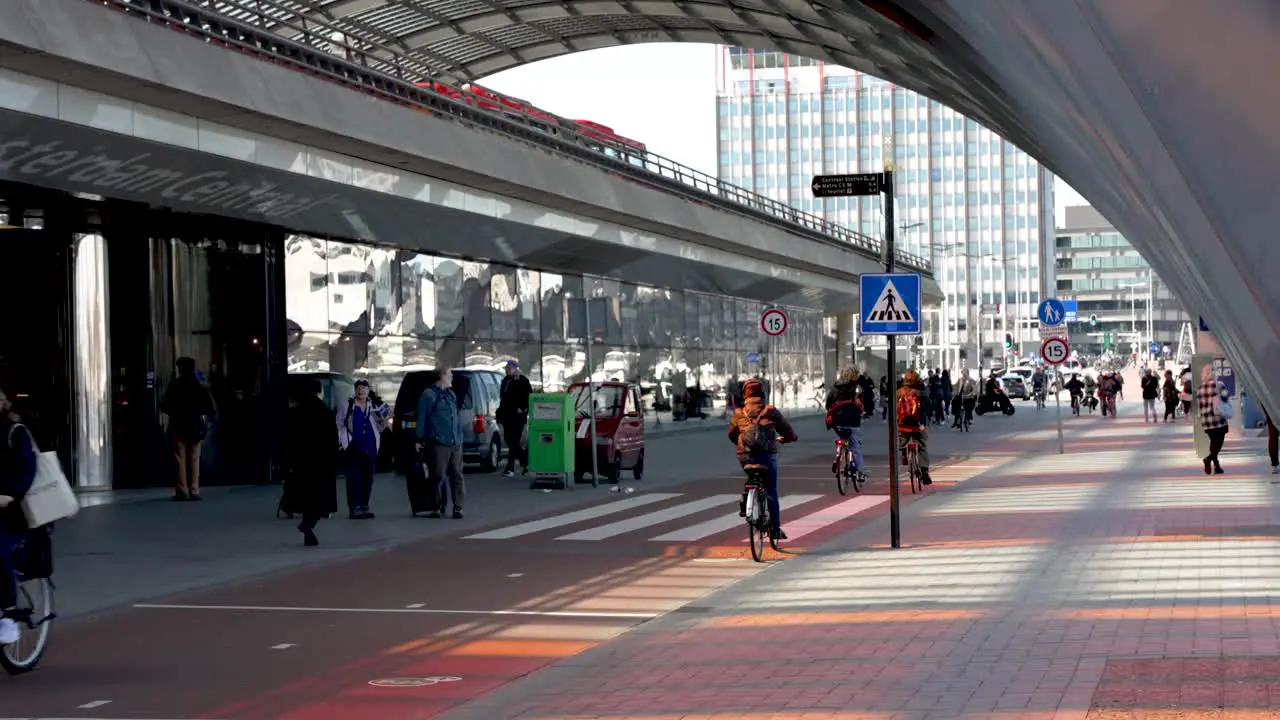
1133 313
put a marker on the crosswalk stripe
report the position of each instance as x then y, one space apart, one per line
569 518
654 518
814 522
726 522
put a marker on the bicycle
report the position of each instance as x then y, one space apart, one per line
1039 397
912 463
848 475
1075 404
34 613
756 510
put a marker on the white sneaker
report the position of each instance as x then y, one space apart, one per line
9 632
1275 469
508 474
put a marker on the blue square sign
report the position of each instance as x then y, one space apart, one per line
889 304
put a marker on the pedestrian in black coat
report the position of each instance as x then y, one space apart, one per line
311 455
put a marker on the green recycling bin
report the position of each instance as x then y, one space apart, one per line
551 443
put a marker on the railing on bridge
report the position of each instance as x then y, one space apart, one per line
315 56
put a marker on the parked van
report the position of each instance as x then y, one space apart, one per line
478 395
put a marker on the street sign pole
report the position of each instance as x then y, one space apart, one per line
895 518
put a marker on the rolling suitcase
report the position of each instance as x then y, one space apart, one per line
423 494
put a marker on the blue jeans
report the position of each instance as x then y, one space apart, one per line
853 436
8 573
360 469
771 483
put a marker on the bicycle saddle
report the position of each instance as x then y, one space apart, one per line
754 467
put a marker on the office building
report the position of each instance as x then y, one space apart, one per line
979 206
1110 282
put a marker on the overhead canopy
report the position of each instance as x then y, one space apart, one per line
465 40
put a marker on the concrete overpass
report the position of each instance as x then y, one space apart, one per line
382 172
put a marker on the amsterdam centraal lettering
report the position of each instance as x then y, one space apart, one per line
136 175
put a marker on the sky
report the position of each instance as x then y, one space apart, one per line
662 94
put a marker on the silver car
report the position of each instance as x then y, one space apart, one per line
1015 386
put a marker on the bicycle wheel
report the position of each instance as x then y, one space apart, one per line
756 524
913 464
35 616
842 470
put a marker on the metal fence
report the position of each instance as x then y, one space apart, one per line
260 28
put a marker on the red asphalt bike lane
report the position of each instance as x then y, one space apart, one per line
416 631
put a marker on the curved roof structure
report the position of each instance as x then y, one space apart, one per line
1160 112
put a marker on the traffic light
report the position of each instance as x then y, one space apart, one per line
1093 321
1008 341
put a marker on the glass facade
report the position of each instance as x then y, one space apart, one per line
373 312
980 207
1111 281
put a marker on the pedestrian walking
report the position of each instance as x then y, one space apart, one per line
311 458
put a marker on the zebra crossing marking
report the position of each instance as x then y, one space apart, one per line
569 518
815 521
725 522
658 517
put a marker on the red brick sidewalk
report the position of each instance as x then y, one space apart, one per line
1115 582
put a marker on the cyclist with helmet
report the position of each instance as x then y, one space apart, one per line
913 421
757 429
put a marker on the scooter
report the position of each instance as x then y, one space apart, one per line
999 402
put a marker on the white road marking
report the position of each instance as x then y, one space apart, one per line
415 606
515 575
603 532
405 611
727 522
284 646
569 518
94 704
813 522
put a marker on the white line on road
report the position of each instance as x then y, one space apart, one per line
569 518
603 532
281 646
92 705
407 611
415 606
515 575
721 524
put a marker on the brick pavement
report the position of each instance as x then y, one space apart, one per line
1115 582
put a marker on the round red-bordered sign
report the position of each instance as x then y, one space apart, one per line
1055 350
774 322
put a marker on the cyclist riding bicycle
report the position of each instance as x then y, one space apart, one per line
845 408
757 429
17 471
1076 388
913 423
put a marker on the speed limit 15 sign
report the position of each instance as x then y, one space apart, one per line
773 322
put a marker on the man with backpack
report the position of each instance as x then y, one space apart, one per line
757 429
913 422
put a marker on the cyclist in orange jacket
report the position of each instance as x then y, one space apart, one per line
913 423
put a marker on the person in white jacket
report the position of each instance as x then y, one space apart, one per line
360 426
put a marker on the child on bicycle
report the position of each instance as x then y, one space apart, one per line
757 429
845 408
913 423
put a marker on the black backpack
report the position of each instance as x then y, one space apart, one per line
760 439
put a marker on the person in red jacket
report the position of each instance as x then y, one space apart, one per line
759 445
913 423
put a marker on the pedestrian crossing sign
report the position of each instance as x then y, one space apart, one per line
890 304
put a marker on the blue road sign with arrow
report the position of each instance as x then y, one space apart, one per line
889 304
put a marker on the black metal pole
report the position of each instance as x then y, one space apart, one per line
895 519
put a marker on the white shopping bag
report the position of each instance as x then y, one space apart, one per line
50 497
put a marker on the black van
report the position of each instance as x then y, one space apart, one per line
478 394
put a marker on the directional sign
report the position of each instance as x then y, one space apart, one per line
1073 310
1051 312
1154 347
846 185
753 358
890 304
1055 350
773 322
